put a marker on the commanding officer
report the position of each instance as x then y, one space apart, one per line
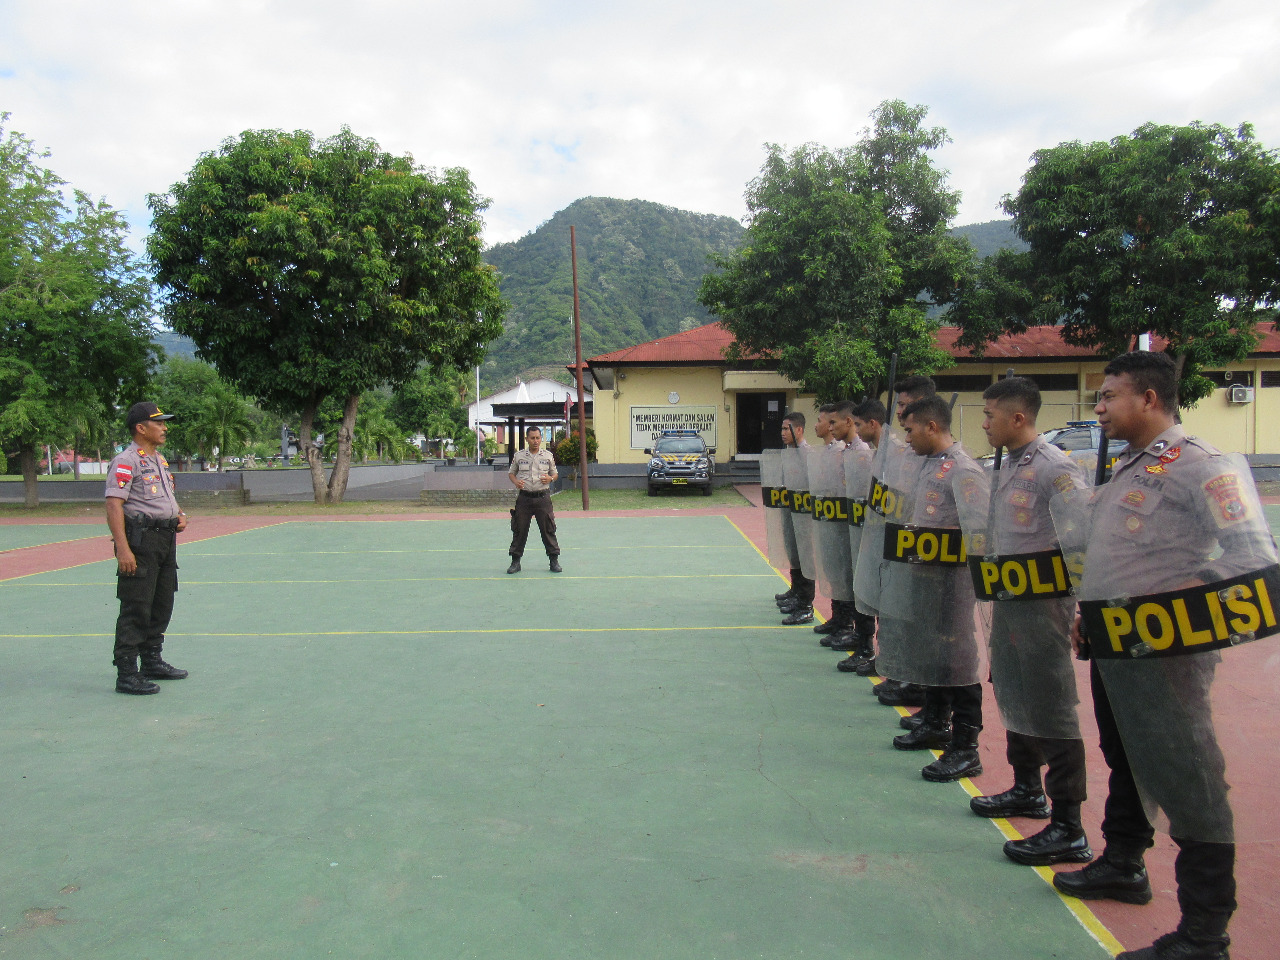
533 470
796 602
1030 647
144 519
1157 527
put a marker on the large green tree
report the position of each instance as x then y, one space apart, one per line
305 270
845 253
75 307
1170 230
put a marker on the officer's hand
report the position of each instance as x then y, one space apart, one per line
182 522
519 483
1077 638
127 562
546 478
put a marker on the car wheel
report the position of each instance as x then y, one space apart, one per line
706 491
653 492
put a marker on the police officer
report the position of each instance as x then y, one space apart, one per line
797 601
1157 526
533 470
144 519
1030 647
869 418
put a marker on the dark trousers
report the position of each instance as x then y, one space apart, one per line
146 597
533 506
1205 872
1065 781
960 704
804 587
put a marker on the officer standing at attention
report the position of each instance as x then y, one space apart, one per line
144 519
533 470
1172 501
797 601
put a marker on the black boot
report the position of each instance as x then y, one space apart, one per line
932 733
783 597
128 680
515 565
958 760
893 693
154 668
555 564
1024 799
797 615
1116 875
1197 938
839 620
1062 841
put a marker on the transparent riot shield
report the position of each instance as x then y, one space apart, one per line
777 511
1179 576
831 522
1020 576
927 595
887 500
857 485
795 474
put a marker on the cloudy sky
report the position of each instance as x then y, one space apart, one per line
545 102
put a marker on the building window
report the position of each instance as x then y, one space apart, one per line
963 383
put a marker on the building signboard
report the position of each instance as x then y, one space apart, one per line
648 422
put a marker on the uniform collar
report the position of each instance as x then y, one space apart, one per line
1170 438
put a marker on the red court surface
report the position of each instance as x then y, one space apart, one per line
1255 929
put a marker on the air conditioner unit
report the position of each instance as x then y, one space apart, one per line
1241 394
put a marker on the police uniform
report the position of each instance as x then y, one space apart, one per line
533 502
151 516
1030 654
803 589
1155 528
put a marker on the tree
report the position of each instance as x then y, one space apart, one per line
845 253
181 387
432 402
222 425
1170 230
75 306
307 270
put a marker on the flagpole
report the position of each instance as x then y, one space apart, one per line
577 370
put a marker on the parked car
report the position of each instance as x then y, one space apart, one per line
681 458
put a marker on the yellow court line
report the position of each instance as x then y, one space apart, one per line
569 551
410 633
558 577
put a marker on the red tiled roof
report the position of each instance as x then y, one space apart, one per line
706 345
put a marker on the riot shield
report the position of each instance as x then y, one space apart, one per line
795 475
887 500
857 485
926 593
779 537
1019 574
1179 568
831 522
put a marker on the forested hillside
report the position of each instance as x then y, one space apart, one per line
989 237
639 266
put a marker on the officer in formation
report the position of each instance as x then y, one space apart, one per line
948 556
532 472
145 519
797 601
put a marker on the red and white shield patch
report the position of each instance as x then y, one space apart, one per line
124 474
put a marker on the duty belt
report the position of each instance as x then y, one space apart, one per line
151 523
533 493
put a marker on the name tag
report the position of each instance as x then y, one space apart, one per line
776 498
885 500
857 511
1020 576
1211 617
831 509
931 546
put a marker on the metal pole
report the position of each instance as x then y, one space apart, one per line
479 434
577 369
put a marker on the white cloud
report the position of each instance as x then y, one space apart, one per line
547 102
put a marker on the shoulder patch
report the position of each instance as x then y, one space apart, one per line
124 474
1062 483
1226 500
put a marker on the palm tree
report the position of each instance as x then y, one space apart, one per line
222 423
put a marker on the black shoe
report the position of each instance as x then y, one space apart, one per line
515 566
153 668
1104 879
798 616
1020 800
794 604
1057 843
900 694
828 627
866 667
1180 946
927 736
781 598
135 683
555 565
958 760
845 642
846 664
911 720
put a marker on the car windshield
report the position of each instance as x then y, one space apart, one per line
680 445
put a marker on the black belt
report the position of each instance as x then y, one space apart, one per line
151 523
534 493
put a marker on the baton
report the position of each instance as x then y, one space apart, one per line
1100 474
995 477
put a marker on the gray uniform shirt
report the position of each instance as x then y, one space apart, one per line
1025 485
144 483
530 467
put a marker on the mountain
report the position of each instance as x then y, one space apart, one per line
174 344
991 236
639 268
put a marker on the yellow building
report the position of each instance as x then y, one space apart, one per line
684 382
